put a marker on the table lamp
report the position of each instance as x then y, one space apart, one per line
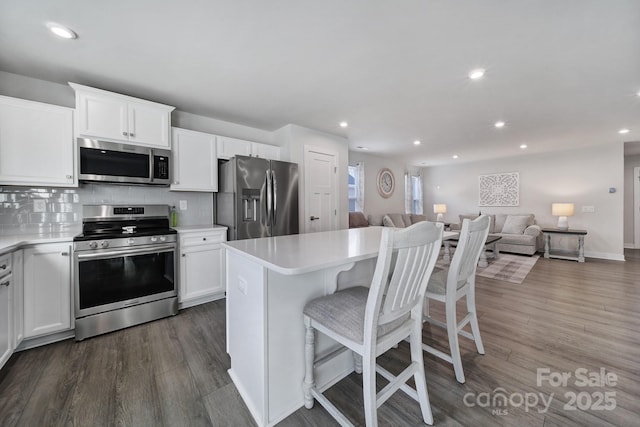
439 209
562 211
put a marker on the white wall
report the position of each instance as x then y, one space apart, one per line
630 162
293 139
374 203
219 127
582 177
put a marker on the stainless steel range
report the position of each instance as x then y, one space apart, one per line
125 268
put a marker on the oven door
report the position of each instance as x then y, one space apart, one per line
111 279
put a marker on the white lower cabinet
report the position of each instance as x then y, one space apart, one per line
18 298
6 318
201 266
47 289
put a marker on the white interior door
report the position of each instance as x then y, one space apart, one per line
320 190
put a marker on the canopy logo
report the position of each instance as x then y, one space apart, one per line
575 397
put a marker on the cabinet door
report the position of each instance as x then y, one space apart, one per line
229 147
6 321
47 289
266 151
200 272
18 298
149 125
195 166
36 144
102 117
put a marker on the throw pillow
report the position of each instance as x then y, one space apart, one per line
515 224
398 220
375 219
357 220
386 221
417 218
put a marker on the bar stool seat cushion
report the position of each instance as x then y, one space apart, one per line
343 313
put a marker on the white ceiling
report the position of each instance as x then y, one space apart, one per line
562 74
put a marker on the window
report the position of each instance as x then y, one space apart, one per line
356 187
413 193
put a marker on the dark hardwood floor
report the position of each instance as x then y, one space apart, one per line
565 316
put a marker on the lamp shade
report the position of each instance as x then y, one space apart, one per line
439 208
562 209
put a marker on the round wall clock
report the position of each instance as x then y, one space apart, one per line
386 182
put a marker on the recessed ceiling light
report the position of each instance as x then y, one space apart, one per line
344 124
623 131
523 146
361 147
499 124
417 142
455 156
62 31
638 93
476 74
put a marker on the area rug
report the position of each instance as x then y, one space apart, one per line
508 267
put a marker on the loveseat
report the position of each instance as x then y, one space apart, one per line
519 232
357 220
395 219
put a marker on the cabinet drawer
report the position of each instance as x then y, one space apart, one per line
5 264
204 238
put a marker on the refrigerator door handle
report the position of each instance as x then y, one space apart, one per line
269 197
274 189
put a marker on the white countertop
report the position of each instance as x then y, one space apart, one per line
12 242
303 253
195 228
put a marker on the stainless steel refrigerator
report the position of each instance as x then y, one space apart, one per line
257 197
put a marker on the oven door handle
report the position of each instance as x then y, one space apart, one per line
128 252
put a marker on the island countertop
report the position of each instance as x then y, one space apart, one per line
304 253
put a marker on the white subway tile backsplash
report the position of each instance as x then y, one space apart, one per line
63 207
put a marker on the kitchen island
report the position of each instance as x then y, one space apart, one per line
269 281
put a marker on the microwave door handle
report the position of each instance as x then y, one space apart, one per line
274 190
151 160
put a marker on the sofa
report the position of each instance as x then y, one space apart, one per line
519 232
395 219
357 220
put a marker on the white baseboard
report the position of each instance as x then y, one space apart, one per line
630 246
604 255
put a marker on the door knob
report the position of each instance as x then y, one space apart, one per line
313 218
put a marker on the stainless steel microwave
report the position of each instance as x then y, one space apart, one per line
105 161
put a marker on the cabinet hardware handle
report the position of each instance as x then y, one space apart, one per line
124 134
69 176
3 266
64 253
132 134
7 283
313 218
204 238
184 255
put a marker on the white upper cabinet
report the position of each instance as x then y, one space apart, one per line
195 165
229 147
36 144
112 116
265 151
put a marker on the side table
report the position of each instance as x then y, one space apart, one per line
563 254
